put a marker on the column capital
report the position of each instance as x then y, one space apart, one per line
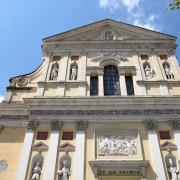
56 125
175 124
32 125
81 125
151 124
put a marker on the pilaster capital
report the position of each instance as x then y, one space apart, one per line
56 125
175 124
81 125
32 125
151 124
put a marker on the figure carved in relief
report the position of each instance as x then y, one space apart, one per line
36 172
74 70
148 72
54 72
174 172
65 163
168 72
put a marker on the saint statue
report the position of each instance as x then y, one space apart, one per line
36 172
54 72
148 72
174 172
65 170
168 72
74 72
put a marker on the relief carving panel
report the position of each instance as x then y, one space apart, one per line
124 145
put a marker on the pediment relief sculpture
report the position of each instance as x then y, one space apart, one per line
118 57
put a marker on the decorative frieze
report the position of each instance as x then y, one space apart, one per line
175 124
151 124
81 125
56 125
32 125
107 112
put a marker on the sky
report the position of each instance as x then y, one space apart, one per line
23 25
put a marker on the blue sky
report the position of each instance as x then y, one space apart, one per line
23 25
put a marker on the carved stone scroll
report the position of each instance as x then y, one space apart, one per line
151 124
175 124
56 125
81 125
32 125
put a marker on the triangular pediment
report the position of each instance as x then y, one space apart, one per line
168 146
121 31
66 147
40 146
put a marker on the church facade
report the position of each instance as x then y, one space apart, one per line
103 105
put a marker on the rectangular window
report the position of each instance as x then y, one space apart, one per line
94 86
67 136
74 58
164 135
163 57
42 135
129 85
144 57
56 58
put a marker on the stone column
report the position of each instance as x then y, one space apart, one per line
156 157
26 150
88 78
101 83
175 125
50 168
122 82
80 151
139 89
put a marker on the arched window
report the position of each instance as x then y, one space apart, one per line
111 81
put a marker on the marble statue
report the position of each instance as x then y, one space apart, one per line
54 72
73 72
36 172
148 72
174 172
64 173
117 145
168 72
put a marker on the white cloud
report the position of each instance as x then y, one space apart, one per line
1 98
146 22
113 5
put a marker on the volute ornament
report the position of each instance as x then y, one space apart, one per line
151 124
81 125
56 125
32 125
175 124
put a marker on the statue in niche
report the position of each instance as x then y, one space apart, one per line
36 172
74 71
168 72
54 72
148 72
65 165
173 170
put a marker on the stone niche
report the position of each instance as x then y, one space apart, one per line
121 145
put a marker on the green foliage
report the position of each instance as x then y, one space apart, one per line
175 4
